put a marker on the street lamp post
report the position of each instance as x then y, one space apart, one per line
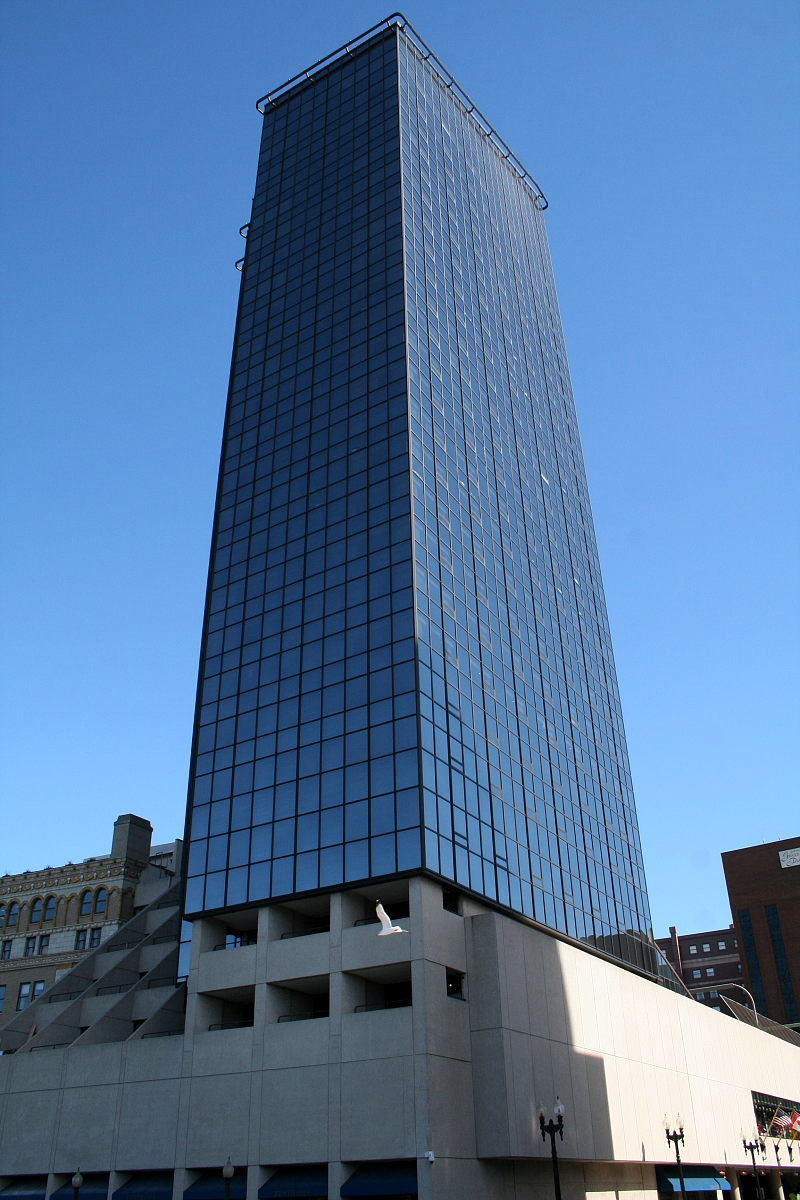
674 1136
227 1176
756 1143
77 1184
749 995
551 1128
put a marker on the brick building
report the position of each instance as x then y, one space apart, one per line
706 962
764 892
52 918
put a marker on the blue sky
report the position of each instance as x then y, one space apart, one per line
665 138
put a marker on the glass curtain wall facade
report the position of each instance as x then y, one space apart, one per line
406 662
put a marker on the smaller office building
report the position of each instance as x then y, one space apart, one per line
708 963
764 892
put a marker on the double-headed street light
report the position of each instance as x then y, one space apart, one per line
553 1127
674 1132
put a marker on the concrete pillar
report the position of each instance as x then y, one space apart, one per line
181 1181
350 909
338 1172
426 1179
256 1178
774 1186
116 1180
200 1010
275 1003
341 999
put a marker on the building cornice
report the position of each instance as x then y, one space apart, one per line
31 882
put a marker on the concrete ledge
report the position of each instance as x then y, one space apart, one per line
220 970
361 947
298 957
387 1033
222 1051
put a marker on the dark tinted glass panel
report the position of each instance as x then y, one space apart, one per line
781 958
527 791
751 958
306 718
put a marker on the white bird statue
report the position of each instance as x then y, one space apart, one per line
386 925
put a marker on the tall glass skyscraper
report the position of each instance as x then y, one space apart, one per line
406 660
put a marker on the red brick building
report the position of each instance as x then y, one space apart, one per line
764 891
706 962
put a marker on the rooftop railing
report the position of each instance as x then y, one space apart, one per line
470 109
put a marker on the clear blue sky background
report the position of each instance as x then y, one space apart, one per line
665 137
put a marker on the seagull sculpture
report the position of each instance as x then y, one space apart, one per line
386 925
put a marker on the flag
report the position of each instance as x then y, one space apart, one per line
782 1120
794 1122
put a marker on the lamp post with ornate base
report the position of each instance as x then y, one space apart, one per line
553 1127
674 1132
757 1143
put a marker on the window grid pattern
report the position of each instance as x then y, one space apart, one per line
527 790
781 962
751 958
317 707
305 771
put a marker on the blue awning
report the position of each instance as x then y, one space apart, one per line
211 1186
382 1179
146 1185
94 1187
695 1179
309 1182
28 1187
